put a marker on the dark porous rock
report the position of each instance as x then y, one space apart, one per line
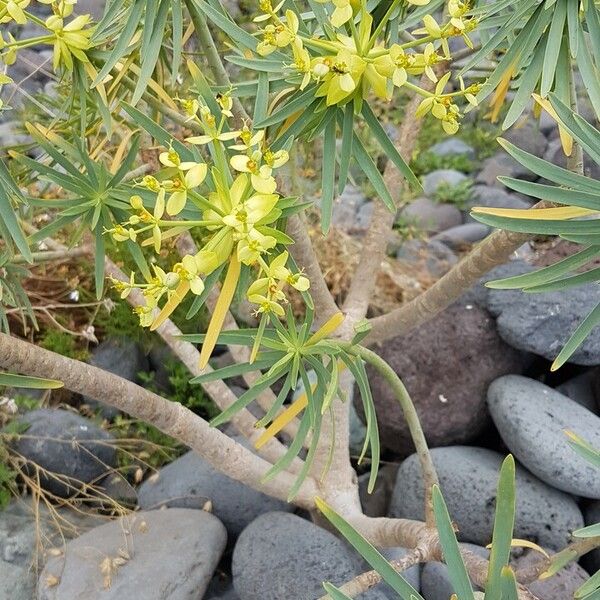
542 323
435 581
163 554
462 235
189 482
502 164
532 419
280 555
561 586
431 255
468 480
479 293
121 357
451 147
526 135
66 444
432 181
431 216
447 386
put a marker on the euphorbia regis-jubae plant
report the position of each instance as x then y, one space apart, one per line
220 217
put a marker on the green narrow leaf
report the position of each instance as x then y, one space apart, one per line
504 522
547 273
9 218
346 150
457 571
233 370
335 593
177 12
369 553
509 584
328 175
150 58
262 97
553 46
122 41
34 383
99 262
389 148
591 586
578 337
369 168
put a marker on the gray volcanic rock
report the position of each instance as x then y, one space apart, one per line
532 419
468 479
155 555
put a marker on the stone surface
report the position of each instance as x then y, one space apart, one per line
526 135
532 419
377 503
452 146
122 357
502 164
280 555
591 513
581 389
68 445
435 582
189 482
431 216
479 293
560 587
434 256
20 531
462 235
433 180
347 208
448 385
412 575
468 479
167 555
542 324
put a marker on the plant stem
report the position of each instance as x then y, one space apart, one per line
430 477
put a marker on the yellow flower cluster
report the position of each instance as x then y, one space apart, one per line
239 209
69 39
356 61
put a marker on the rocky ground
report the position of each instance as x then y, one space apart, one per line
478 374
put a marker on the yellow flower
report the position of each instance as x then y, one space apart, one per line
441 107
190 175
278 35
266 305
225 102
260 166
302 64
341 75
255 244
70 40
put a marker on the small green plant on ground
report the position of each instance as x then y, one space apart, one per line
426 162
459 195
